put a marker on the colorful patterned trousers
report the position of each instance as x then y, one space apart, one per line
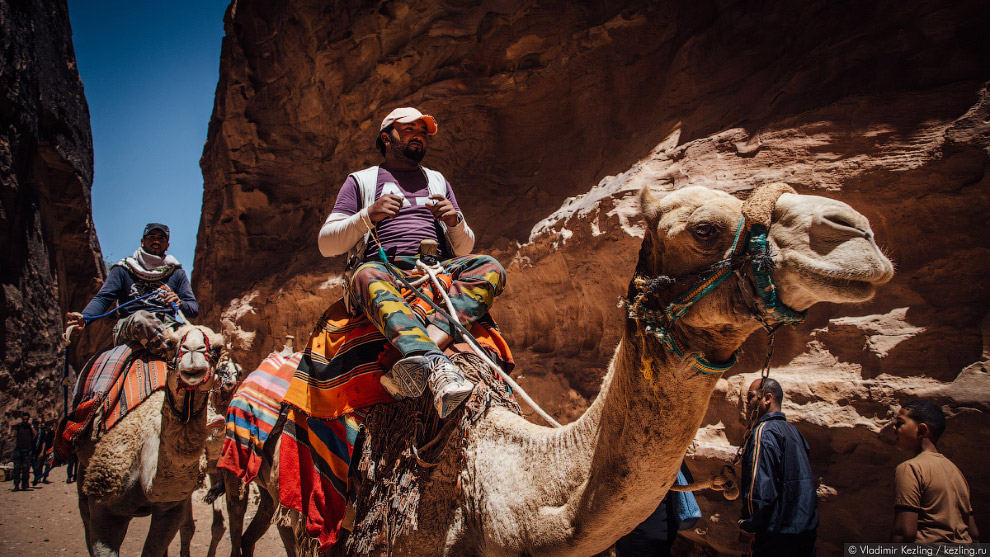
475 281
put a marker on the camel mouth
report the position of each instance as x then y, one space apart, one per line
193 378
871 272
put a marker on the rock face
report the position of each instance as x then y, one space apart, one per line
554 114
51 258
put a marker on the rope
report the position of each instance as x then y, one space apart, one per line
87 319
480 352
724 481
468 337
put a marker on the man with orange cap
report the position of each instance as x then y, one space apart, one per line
393 207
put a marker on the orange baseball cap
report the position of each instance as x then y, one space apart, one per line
408 115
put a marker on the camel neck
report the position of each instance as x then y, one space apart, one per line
180 447
611 468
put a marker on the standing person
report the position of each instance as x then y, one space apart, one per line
931 496
47 443
656 535
147 271
37 450
398 204
780 502
23 450
70 468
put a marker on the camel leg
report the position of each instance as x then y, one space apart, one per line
165 525
84 507
259 524
288 540
187 530
107 532
236 494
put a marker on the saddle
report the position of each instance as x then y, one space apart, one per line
111 384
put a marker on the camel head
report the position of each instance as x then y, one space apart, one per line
228 373
194 351
790 252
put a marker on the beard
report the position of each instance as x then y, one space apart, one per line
414 154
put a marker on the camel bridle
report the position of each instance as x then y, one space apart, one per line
186 412
749 259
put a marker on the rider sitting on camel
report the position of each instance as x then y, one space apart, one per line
148 270
394 206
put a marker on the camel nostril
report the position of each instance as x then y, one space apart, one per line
843 222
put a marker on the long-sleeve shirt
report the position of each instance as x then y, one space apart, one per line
779 494
121 287
399 235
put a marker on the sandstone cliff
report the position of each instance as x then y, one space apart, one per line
553 114
51 258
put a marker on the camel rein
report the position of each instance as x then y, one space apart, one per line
761 299
430 270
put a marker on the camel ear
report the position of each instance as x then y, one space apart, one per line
649 206
172 339
649 260
215 339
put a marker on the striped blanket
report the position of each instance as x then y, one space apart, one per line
114 383
314 460
252 413
340 368
336 380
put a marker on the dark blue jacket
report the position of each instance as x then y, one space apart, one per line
778 488
121 287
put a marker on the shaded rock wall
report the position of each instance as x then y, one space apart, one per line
552 115
50 256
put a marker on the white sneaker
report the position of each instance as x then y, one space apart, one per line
450 387
407 378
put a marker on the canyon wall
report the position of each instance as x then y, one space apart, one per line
554 114
50 255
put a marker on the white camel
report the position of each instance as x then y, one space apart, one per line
153 459
532 490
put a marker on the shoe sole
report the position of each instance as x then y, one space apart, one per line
451 401
406 378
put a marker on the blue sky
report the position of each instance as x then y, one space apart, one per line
150 72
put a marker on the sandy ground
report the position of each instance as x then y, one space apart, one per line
45 521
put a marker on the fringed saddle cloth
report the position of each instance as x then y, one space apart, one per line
253 412
111 385
337 379
407 449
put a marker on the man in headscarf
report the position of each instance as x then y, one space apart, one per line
148 270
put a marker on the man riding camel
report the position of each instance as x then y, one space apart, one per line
392 207
148 271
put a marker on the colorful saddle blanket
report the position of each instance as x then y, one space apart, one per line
336 380
253 412
113 384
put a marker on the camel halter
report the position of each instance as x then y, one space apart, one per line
186 412
755 249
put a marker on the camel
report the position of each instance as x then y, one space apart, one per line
151 461
526 489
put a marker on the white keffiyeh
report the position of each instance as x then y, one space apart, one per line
150 267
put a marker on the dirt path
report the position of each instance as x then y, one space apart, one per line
45 521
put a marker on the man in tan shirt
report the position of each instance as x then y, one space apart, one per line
931 502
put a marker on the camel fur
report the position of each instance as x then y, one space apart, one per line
526 489
151 461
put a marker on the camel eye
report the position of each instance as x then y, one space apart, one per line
705 231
